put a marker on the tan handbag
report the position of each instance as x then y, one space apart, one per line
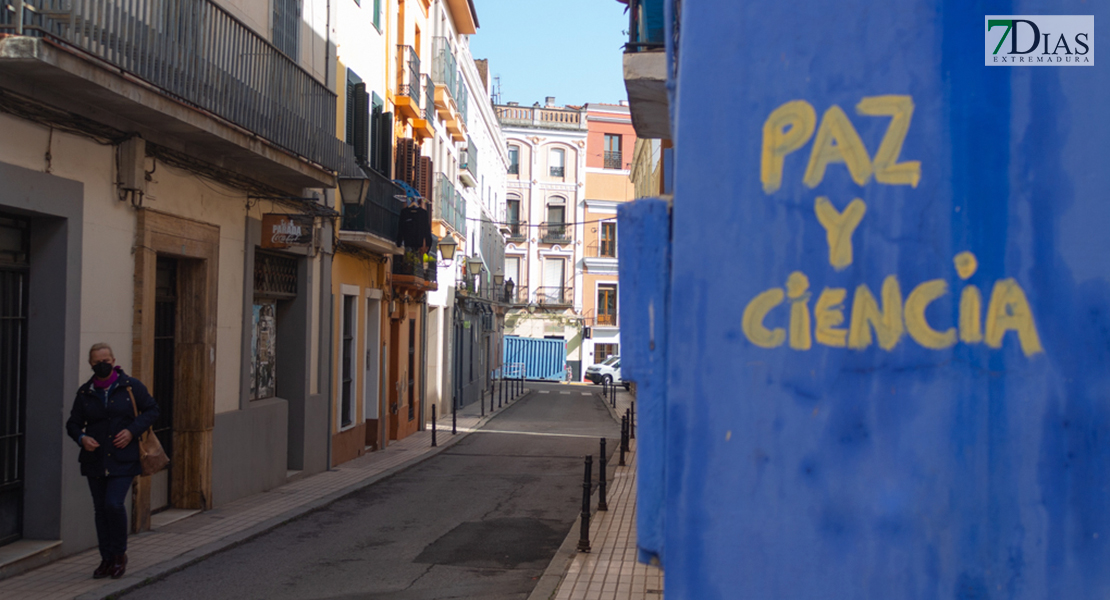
151 454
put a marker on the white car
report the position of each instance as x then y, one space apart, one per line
608 371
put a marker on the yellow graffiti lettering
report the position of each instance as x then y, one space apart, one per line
866 314
971 306
1009 310
797 290
886 166
839 227
787 129
916 323
966 264
837 142
752 321
829 312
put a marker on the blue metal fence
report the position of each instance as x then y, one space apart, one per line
542 359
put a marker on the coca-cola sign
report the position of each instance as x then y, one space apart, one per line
286 231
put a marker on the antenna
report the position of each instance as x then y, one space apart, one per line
497 89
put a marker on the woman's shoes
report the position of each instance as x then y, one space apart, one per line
119 566
102 571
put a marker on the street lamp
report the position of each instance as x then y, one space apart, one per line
498 277
447 247
353 189
474 265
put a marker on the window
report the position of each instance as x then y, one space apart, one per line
287 23
608 241
558 161
605 352
512 271
554 278
512 215
378 15
514 160
555 230
606 305
358 117
613 151
347 362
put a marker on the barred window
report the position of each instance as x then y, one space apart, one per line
275 276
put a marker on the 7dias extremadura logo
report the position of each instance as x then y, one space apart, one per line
1040 40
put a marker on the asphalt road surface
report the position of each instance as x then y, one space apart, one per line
480 520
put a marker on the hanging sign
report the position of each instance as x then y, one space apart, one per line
286 231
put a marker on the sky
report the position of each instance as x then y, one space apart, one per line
570 49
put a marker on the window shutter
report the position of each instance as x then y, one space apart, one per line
360 106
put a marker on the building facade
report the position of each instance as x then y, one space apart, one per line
139 209
544 209
609 155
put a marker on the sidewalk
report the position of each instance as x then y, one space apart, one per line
161 551
610 570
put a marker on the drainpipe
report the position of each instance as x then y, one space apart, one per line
424 363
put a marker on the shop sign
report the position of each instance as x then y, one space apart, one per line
287 231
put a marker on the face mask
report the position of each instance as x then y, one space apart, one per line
102 369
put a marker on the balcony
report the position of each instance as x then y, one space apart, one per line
450 206
602 249
555 296
613 160
217 85
407 98
372 224
468 165
411 271
445 74
645 69
518 231
514 169
557 171
556 233
541 118
520 295
424 127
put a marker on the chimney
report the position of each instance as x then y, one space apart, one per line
483 70
624 103
550 101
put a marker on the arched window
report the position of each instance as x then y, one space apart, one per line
514 159
557 162
512 217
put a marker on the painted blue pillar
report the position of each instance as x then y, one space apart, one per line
888 336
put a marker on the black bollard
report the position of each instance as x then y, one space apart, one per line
624 434
500 395
454 416
584 538
433 426
491 399
632 421
602 503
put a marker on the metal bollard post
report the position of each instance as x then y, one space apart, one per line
602 503
500 395
632 421
584 537
491 399
433 426
454 415
624 433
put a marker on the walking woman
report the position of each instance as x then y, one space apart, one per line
103 422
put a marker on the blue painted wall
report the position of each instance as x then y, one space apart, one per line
966 471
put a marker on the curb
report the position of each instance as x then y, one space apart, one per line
163 569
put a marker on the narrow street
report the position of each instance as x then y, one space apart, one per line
480 520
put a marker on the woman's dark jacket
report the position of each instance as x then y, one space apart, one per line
91 417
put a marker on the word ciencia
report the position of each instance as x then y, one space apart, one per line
1008 310
787 130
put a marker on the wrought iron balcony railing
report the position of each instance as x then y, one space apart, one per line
445 68
558 171
607 319
413 264
379 212
408 73
514 169
450 205
429 100
555 295
199 53
556 233
518 231
613 160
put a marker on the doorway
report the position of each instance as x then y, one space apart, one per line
14 268
162 386
371 385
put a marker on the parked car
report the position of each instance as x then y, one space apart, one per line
608 371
